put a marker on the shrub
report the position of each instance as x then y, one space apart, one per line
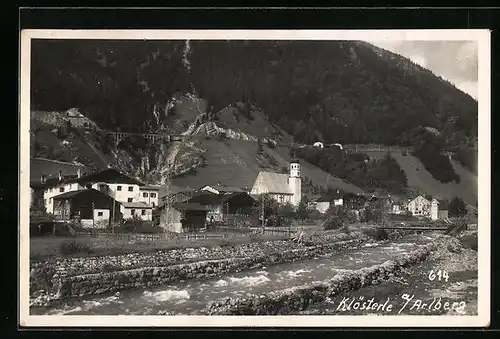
303 209
352 217
333 222
372 214
75 247
376 233
316 215
335 218
137 225
279 221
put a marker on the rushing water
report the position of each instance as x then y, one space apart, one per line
192 296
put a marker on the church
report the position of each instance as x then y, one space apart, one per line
284 188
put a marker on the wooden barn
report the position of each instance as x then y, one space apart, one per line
91 207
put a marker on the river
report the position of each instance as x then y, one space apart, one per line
192 296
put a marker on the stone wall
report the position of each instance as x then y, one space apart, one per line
298 298
52 280
147 269
94 264
97 283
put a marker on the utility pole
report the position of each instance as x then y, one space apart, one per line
93 215
263 219
114 219
168 188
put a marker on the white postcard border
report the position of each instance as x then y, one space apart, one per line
481 320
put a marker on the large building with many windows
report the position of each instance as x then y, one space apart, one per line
130 192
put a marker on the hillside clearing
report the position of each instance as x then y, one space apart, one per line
236 163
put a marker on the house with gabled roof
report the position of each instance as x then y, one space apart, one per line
43 171
328 199
428 207
183 217
138 209
91 207
223 204
112 182
149 194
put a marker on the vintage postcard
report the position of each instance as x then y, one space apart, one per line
255 178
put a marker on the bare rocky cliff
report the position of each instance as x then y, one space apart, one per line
150 161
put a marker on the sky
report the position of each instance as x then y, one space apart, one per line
455 61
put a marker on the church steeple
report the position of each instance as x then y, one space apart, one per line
295 181
294 168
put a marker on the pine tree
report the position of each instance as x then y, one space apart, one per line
303 210
457 207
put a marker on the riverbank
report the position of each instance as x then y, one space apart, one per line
52 247
299 298
61 278
191 296
51 280
453 291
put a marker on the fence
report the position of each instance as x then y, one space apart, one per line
289 231
376 148
286 231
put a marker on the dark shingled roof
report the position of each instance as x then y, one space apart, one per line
72 194
208 198
50 168
106 175
150 187
190 207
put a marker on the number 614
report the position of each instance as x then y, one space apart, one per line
441 275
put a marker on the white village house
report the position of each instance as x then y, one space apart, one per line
324 202
135 197
284 188
429 208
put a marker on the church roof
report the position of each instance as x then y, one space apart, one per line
271 182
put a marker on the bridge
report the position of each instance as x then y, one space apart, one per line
118 136
452 229
414 228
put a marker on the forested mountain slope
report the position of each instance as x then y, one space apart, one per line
332 91
335 91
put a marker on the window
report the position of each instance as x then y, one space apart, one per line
130 199
145 195
132 211
153 195
143 212
118 188
153 204
99 214
61 189
131 188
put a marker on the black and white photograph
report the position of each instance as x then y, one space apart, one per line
310 178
